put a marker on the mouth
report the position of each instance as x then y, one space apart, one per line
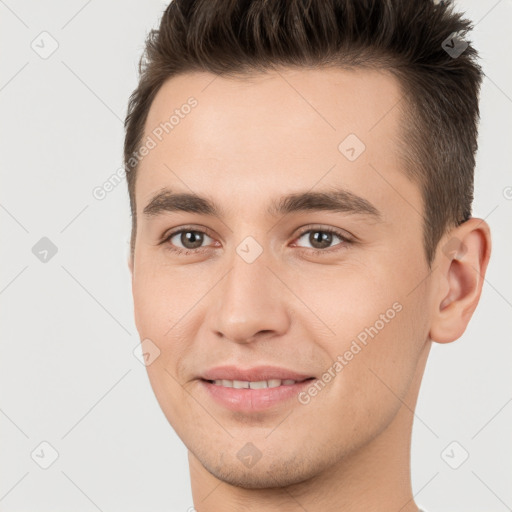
249 397
254 389
260 384
257 375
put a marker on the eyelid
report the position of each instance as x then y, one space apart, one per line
172 232
342 233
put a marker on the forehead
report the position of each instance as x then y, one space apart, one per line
282 130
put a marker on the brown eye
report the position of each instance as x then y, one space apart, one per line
186 239
191 239
322 239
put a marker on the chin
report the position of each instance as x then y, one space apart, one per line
264 475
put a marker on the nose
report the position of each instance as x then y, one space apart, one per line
250 303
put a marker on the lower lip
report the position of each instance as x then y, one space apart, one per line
253 400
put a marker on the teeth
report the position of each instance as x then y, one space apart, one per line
243 384
258 385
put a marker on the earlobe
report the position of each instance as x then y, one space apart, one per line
461 259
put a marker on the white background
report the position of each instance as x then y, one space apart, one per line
67 372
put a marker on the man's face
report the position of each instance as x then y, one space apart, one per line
273 288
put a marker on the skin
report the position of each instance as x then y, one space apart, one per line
249 141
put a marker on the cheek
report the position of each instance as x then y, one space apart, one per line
392 354
375 325
160 316
347 300
163 310
160 298
369 390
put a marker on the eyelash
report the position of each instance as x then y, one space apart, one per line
345 241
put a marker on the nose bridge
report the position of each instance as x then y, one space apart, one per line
249 299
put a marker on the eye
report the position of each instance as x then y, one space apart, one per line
188 240
191 240
321 239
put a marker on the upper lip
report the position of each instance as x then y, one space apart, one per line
255 374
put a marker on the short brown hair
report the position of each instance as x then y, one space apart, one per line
409 39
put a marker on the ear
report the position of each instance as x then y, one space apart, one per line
129 261
461 261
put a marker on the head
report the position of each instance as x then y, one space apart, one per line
343 118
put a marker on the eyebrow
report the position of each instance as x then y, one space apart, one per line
336 200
